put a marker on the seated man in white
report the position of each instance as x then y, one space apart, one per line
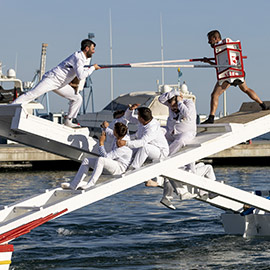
170 186
149 140
115 162
118 116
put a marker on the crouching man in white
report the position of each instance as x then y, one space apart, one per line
59 78
115 162
181 125
149 140
183 191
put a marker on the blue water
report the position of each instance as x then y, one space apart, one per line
132 230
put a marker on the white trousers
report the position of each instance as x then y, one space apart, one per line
99 165
177 141
205 170
147 151
201 169
48 84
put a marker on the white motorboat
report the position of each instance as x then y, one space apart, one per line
146 98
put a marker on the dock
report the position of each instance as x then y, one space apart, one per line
253 152
256 152
18 156
22 153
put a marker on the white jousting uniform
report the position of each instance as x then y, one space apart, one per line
149 141
181 127
115 162
58 79
201 169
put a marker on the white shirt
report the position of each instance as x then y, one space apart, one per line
185 120
71 67
150 133
121 154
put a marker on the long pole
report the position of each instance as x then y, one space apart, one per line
165 66
175 61
171 61
153 62
111 59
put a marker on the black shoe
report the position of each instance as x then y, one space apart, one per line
208 121
264 107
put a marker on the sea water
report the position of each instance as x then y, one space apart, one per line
132 230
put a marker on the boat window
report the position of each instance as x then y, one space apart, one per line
122 102
8 95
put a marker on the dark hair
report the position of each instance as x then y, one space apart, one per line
120 129
145 113
214 33
87 43
174 98
118 112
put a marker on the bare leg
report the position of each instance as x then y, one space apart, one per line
218 90
251 93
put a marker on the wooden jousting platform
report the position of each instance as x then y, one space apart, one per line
21 217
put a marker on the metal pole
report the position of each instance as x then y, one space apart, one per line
162 56
89 80
42 71
224 103
111 59
43 60
16 62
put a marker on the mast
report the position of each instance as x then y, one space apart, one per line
43 60
162 56
111 59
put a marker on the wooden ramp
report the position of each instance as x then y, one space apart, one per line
248 112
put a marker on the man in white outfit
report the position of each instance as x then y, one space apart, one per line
170 186
149 140
181 125
118 116
181 129
115 162
59 78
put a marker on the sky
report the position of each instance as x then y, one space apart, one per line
136 37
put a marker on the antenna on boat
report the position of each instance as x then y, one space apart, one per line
110 14
42 72
162 56
43 60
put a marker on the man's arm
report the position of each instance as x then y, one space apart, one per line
101 148
105 126
187 108
129 113
165 97
81 71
